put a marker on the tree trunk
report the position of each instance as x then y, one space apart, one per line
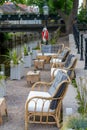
70 19
69 23
72 16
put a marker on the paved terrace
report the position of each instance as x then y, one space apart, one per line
17 92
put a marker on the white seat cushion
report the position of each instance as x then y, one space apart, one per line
55 60
47 54
50 54
39 60
39 105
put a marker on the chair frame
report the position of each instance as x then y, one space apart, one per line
60 57
71 67
45 58
55 114
59 49
48 58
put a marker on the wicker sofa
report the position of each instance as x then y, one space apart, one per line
44 102
52 48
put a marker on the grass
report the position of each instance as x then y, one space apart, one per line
74 83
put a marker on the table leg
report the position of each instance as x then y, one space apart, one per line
1 119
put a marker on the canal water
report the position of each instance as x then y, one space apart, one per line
30 45
19 49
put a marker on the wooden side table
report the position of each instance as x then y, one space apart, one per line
39 64
33 76
3 109
45 58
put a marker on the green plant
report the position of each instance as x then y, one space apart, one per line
36 48
81 96
25 50
74 83
78 123
82 17
2 77
53 41
80 99
12 57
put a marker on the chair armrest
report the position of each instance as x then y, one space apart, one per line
53 65
70 72
58 65
41 86
58 56
52 77
54 56
68 69
64 70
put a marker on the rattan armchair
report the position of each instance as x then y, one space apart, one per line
49 51
63 64
44 101
69 67
61 57
56 48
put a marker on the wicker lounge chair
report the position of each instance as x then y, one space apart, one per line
44 105
69 67
63 64
61 57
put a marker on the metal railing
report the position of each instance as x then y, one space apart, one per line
81 43
76 37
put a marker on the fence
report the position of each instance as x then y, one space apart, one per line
81 43
80 38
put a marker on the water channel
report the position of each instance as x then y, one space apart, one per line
30 44
19 49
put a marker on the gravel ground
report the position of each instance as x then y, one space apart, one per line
16 95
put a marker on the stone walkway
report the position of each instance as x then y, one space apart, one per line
17 92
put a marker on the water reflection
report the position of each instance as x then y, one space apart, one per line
19 50
31 44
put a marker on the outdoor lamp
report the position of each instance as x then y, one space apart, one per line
46 10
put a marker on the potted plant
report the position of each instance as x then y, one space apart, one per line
2 85
16 66
35 50
75 123
27 57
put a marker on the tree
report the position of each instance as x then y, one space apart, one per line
67 9
17 1
82 16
